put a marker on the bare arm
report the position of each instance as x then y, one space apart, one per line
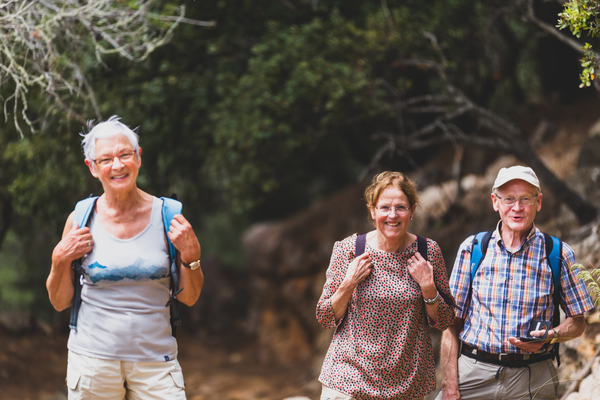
74 244
449 360
358 270
185 241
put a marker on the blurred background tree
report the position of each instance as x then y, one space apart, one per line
277 105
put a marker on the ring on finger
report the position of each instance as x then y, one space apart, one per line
89 243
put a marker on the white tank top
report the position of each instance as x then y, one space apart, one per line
125 289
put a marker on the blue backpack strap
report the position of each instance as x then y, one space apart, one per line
479 249
170 208
480 245
81 215
554 255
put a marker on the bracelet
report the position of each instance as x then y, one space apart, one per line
434 300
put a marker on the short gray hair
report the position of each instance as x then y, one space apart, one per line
109 128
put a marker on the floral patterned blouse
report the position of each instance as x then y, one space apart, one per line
381 348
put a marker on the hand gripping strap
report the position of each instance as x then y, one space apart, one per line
170 208
81 215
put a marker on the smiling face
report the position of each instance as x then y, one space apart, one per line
120 175
517 218
392 225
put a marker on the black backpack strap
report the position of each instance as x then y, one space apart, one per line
361 240
422 249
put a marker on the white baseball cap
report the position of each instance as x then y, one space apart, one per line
517 172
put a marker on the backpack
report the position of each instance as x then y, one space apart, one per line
553 253
421 248
170 207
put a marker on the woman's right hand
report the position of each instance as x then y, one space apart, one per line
359 269
75 244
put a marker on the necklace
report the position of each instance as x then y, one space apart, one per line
127 220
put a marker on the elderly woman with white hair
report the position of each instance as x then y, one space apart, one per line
123 345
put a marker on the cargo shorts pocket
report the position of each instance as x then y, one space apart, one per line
178 379
73 378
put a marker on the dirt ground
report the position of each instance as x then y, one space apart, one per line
33 367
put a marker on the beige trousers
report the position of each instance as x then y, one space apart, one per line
477 380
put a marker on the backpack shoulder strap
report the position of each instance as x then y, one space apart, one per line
479 249
170 208
361 240
422 246
81 216
554 254
480 245
83 210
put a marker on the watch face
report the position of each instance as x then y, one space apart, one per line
194 265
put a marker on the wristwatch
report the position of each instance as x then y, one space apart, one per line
193 265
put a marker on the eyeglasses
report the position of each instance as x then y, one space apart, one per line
511 200
105 162
387 210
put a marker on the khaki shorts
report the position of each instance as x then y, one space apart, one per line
94 378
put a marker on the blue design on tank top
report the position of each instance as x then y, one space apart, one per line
138 271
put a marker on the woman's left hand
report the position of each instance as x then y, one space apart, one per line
182 235
421 271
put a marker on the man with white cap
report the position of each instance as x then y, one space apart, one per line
500 357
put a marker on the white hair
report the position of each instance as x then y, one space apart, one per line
109 128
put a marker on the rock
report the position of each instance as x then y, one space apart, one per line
589 388
577 396
297 398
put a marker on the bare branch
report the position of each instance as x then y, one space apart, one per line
574 44
41 41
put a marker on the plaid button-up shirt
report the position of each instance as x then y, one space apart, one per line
511 289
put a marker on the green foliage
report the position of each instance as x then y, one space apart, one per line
581 17
591 279
15 294
589 64
255 118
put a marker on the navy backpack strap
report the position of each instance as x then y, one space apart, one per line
361 240
170 208
422 249
81 215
